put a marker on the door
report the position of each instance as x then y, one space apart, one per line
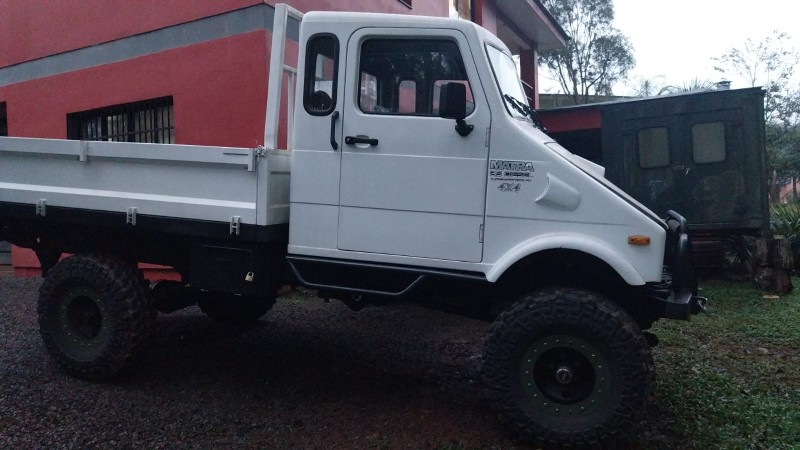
653 163
689 162
714 176
410 184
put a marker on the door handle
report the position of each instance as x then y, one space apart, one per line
353 140
682 168
334 118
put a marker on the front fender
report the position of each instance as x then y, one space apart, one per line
571 241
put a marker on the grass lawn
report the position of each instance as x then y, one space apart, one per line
731 378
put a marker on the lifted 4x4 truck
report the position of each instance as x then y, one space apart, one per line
418 172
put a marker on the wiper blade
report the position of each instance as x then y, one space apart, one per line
525 110
516 104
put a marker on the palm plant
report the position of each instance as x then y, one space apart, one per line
785 220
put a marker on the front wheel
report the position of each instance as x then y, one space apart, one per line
569 368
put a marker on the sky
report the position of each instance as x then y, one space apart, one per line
676 39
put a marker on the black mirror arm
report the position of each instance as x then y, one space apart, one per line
462 128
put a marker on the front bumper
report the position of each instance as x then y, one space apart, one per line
676 294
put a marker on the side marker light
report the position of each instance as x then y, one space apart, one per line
639 240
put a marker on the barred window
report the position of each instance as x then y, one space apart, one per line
3 120
145 121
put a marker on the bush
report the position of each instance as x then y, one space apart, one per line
785 220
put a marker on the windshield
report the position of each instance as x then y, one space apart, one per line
505 72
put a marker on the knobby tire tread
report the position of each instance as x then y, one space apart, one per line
592 317
124 292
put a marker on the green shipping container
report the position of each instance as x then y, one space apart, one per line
700 153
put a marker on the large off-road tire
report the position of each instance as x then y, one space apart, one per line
568 368
94 312
233 309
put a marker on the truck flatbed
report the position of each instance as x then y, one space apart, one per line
235 187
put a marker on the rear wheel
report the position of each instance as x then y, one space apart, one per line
93 313
568 368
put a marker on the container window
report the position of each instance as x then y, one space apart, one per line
404 76
653 147
708 142
322 67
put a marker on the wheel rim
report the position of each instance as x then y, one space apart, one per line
83 329
565 376
84 318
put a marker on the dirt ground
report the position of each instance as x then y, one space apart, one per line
308 375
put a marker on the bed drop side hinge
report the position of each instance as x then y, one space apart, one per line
130 217
235 225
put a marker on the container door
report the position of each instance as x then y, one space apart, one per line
410 184
654 165
713 172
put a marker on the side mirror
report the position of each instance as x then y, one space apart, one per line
453 101
453 105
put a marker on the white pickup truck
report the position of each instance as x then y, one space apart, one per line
417 171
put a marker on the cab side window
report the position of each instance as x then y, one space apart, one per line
322 68
404 76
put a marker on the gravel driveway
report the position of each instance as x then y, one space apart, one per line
309 375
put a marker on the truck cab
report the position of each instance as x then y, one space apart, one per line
393 182
420 171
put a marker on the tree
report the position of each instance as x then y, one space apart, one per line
766 61
650 87
693 85
653 87
770 63
783 151
597 55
